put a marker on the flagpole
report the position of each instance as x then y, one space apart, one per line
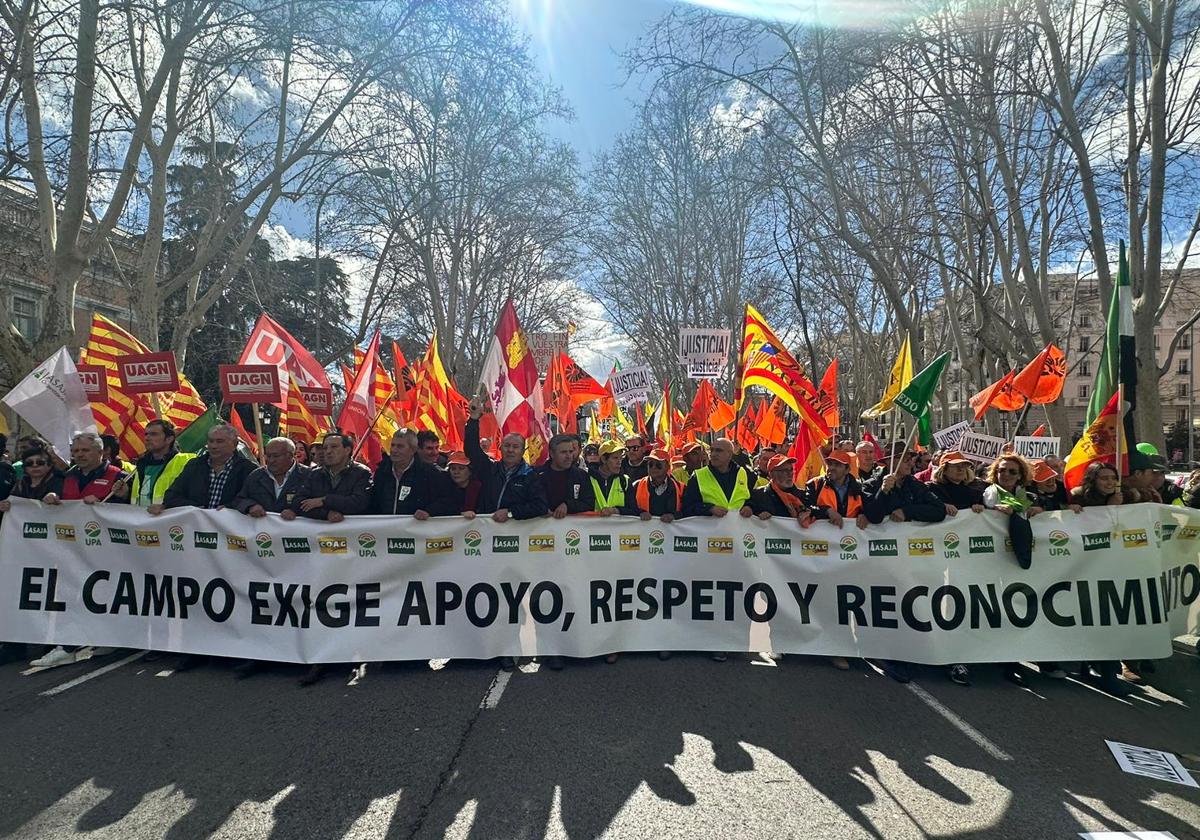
1021 418
358 446
258 432
1120 428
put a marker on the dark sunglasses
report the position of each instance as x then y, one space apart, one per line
36 462
633 446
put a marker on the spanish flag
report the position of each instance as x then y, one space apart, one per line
1101 442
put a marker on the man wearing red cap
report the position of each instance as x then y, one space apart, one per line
779 497
458 496
658 494
695 456
836 495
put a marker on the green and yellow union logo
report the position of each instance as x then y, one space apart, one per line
950 541
472 538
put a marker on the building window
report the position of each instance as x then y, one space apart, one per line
1083 392
1085 368
1085 320
1183 366
1156 341
1185 341
25 317
1181 415
1084 343
1182 390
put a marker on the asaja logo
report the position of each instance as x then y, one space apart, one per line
720 545
920 547
333 545
175 532
91 530
118 536
1097 541
66 533
572 538
473 538
439 545
366 545
1059 539
1168 531
981 545
35 531
882 548
630 542
506 544
688 545
950 541
147 539
656 538
814 548
777 545
295 545
1135 538
263 541
235 543
541 542
600 542
401 545
205 539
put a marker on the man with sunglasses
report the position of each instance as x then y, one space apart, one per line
634 464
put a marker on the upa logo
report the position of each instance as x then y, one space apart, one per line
147 539
600 542
814 548
296 545
687 545
264 542
777 545
439 545
1097 541
1135 538
950 544
572 539
401 545
720 545
175 535
66 533
366 545
656 542
882 548
749 546
981 545
630 542
91 533
920 547
35 531
541 542
235 543
1059 540
118 536
506 544
333 545
849 546
471 542
205 539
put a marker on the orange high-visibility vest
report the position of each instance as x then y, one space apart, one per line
641 493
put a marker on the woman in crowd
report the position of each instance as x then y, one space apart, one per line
303 458
40 478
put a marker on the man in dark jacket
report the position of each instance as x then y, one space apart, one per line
635 465
900 497
837 495
406 484
272 488
511 488
780 496
339 488
659 493
213 479
721 487
568 487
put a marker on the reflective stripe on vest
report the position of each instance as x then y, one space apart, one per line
615 497
641 493
828 498
712 494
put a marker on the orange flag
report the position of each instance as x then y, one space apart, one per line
1040 431
998 395
702 407
827 396
744 433
347 377
556 395
581 387
809 463
1041 381
235 420
771 426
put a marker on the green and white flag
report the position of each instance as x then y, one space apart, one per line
916 397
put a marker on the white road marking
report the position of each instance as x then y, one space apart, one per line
763 658
112 666
961 725
492 699
168 672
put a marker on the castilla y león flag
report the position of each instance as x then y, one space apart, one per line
510 380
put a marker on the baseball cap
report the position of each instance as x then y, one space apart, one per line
692 446
611 446
955 457
778 461
458 459
1042 471
660 455
839 455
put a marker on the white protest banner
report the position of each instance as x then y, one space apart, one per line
1034 448
949 437
1154 764
982 449
52 400
377 588
703 351
630 385
1178 535
545 346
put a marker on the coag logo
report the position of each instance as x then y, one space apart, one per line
630 542
572 539
814 548
118 536
473 538
1135 538
295 545
506 545
333 545
401 545
66 533
950 541
688 545
366 545
600 542
720 545
439 545
205 539
657 537
541 542
1097 541
35 531
773 545
264 543
175 532
1187 532
235 543
882 548
981 545
147 539
91 533
920 547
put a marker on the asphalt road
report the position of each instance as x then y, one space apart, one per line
641 749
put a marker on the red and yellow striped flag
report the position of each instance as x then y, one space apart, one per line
296 421
431 402
126 415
